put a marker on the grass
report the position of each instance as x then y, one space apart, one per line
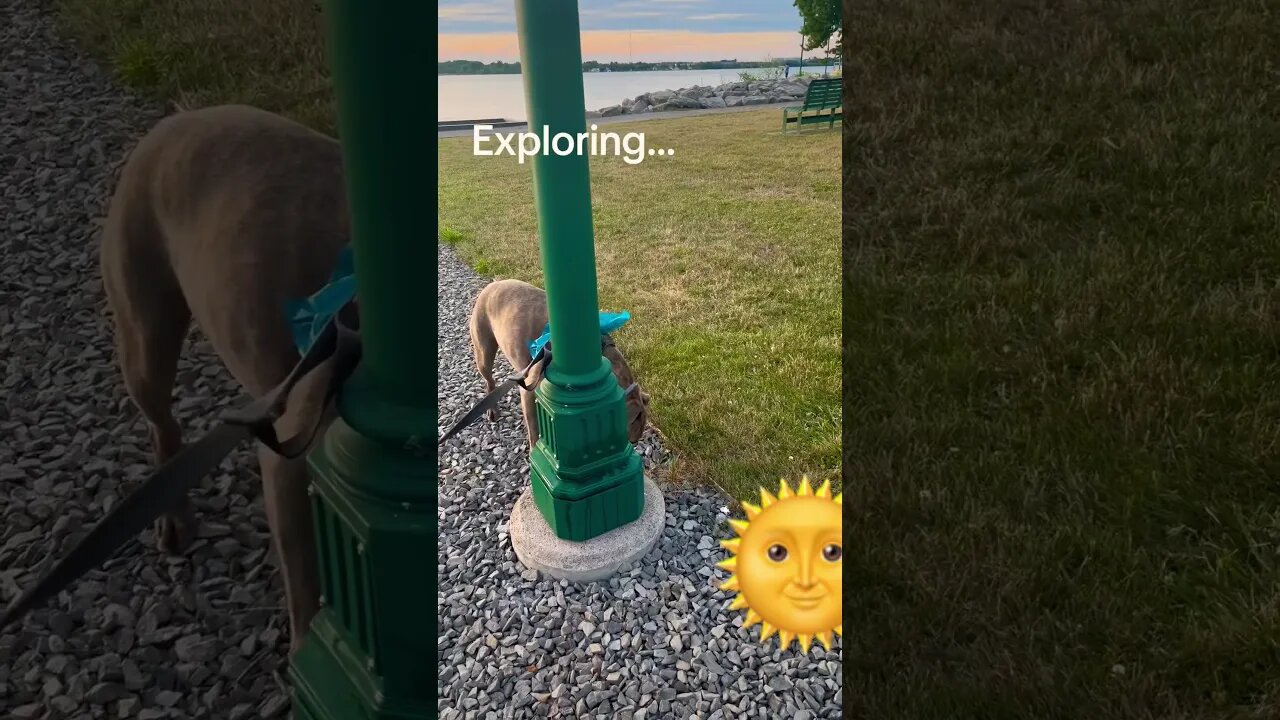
1061 252
192 53
726 257
726 254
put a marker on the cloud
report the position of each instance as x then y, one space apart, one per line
621 13
475 12
719 16
623 45
481 16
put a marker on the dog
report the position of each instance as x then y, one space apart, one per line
220 215
510 314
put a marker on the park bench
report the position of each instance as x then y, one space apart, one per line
822 102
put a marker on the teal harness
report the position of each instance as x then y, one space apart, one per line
608 323
309 316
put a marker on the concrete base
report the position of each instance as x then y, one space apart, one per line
537 546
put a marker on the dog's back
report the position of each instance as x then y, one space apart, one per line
226 212
513 313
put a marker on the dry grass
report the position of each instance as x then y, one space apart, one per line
1061 246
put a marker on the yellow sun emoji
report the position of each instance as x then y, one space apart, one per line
786 564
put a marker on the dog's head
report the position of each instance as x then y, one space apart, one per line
637 399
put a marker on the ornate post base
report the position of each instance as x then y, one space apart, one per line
370 653
587 478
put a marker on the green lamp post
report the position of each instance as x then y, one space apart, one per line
371 650
587 478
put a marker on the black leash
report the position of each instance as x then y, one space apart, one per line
490 401
517 380
162 491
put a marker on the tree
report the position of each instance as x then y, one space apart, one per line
821 23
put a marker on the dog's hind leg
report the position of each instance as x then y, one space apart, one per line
485 347
284 493
151 320
529 408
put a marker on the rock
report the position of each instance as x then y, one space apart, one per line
610 112
128 707
134 679
677 103
274 707
712 102
661 96
755 100
195 649
640 105
103 693
733 100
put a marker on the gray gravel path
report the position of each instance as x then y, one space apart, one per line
657 642
149 637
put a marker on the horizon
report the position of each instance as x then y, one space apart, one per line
632 30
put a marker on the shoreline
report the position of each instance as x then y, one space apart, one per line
709 97
523 125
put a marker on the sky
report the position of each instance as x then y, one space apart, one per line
641 30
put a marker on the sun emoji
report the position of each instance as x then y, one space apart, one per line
786 564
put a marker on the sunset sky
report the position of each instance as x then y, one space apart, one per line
642 30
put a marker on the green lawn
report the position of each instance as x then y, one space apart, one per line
1061 253
726 254
727 257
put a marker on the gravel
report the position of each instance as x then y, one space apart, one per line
148 636
655 642
205 635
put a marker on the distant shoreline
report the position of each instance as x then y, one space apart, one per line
475 67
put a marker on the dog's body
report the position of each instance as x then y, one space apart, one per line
510 314
220 215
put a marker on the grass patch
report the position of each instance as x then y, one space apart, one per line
1062 245
193 53
726 257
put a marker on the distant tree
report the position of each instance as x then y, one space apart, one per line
821 23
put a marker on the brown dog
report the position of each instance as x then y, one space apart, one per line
220 215
510 314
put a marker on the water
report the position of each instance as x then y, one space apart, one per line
470 97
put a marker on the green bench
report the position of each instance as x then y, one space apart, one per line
822 103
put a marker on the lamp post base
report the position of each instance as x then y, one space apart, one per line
538 547
370 651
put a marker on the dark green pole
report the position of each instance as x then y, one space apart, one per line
371 650
551 61
587 479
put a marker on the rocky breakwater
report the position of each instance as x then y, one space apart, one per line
699 97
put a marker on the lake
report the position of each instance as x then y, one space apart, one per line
470 97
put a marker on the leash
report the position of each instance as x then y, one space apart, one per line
160 492
490 401
516 380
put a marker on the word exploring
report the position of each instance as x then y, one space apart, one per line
630 146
